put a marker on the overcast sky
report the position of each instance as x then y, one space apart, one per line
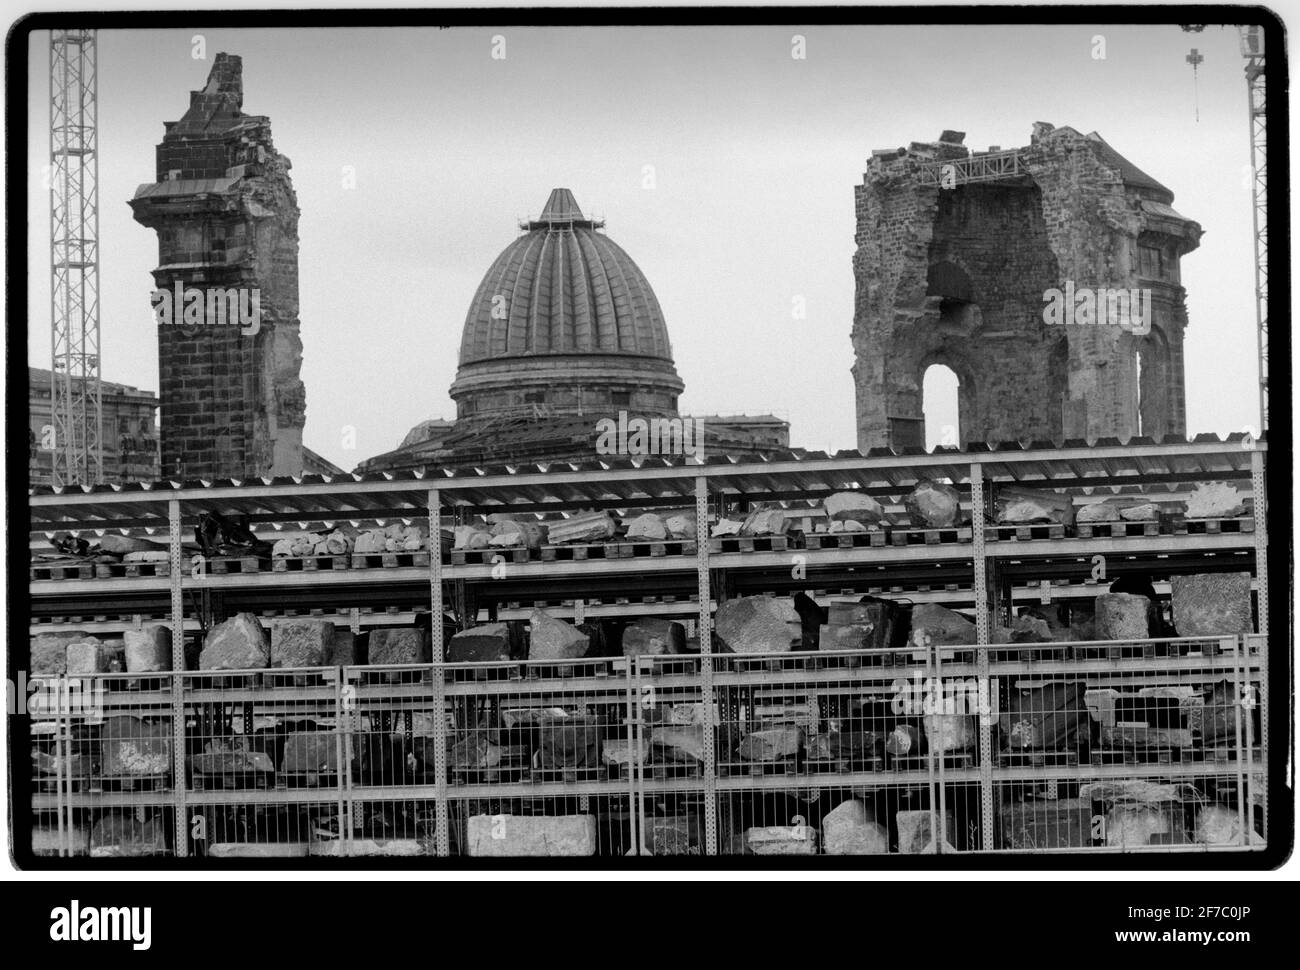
754 155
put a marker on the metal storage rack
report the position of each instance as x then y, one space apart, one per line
365 809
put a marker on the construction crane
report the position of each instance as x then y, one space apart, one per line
1252 48
76 408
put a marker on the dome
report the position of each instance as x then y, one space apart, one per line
565 319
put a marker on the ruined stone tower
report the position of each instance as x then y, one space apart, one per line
961 259
224 208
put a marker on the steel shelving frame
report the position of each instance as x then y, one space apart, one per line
1160 470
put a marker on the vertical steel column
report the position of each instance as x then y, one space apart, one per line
178 679
1259 492
706 665
982 637
62 766
442 839
1261 538
343 756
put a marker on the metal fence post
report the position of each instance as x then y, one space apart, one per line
442 839
181 827
982 638
706 665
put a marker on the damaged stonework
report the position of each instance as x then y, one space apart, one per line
232 401
957 251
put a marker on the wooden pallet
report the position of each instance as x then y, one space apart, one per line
56 571
580 552
49 784
952 761
930 537
130 783
722 544
1116 530
310 564
844 766
1124 651
504 670
503 774
876 538
659 771
1039 654
653 549
132 570
569 776
581 668
817 661
260 680
227 565
376 678
487 557
1143 756
758 769
1023 533
306 779
250 780
1038 759
1225 755
389 560
1181 525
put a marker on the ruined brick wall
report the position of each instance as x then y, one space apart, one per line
956 273
232 402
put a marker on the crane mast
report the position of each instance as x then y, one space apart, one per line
1252 48
76 442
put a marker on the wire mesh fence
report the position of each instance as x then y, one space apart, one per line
1155 745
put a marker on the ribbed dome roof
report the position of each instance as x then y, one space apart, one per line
563 288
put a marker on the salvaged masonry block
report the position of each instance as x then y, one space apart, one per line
915 834
933 505
148 649
942 625
849 830
1212 604
653 636
301 642
240 643
1064 823
552 639
568 742
482 644
531 835
398 645
117 836
310 753
224 208
135 746
50 653
771 744
781 840
673 835
87 656
1214 500
958 272
1122 616
758 624
343 651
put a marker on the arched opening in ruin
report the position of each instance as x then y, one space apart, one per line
1152 384
1138 383
940 406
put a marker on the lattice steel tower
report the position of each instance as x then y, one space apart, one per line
1252 48
76 408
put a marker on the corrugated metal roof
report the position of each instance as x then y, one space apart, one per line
184 187
1075 465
